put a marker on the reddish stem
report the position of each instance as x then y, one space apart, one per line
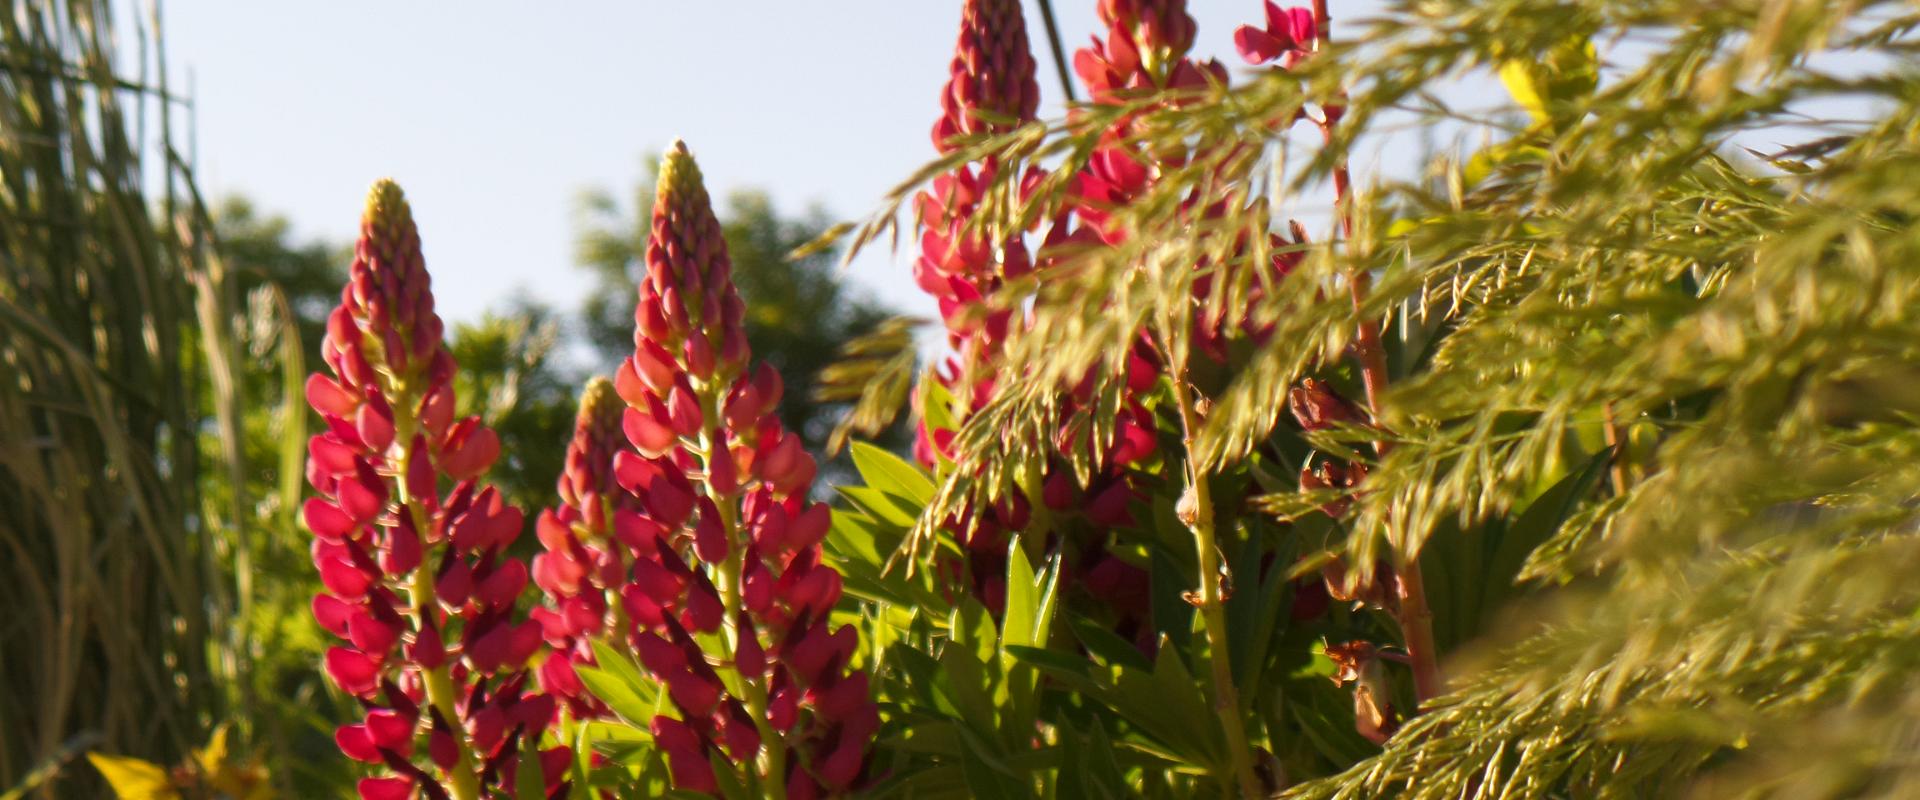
1413 614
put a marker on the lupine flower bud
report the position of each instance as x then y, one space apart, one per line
1317 406
1358 663
382 529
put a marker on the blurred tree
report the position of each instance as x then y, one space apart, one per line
799 313
510 376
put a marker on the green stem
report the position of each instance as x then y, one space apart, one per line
1213 613
731 573
439 680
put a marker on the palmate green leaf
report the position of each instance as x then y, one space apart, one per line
890 509
970 668
529 780
1108 646
890 474
987 770
617 681
727 776
1092 771
1166 703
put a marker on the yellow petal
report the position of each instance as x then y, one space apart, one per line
134 779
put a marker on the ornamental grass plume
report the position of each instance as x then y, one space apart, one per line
726 575
419 584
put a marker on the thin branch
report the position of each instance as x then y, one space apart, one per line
1059 51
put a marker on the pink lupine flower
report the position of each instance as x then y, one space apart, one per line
1289 35
990 85
724 537
418 583
992 66
589 540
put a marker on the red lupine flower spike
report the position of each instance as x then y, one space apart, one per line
382 532
991 80
702 473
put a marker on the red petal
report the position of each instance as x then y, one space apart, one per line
344 579
360 501
499 589
683 411
357 743
554 762
327 521
553 533
371 635
668 504
352 670
648 435
810 527
385 789
704 610
427 649
403 548
632 472
653 365
472 455
374 422
332 613
442 748
750 659
330 454
436 412
1257 46
328 397
391 731
845 697
709 535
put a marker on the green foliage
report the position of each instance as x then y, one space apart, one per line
1717 605
511 377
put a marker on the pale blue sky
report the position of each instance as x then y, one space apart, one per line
495 115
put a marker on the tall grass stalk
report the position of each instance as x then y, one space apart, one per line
116 327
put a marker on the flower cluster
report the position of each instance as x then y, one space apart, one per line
589 541
418 584
990 88
724 538
1288 37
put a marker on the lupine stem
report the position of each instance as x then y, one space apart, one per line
1413 614
732 572
1617 469
1213 614
439 681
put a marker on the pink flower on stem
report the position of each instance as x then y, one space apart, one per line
589 541
419 585
725 540
1289 35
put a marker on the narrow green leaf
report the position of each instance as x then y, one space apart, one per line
892 474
